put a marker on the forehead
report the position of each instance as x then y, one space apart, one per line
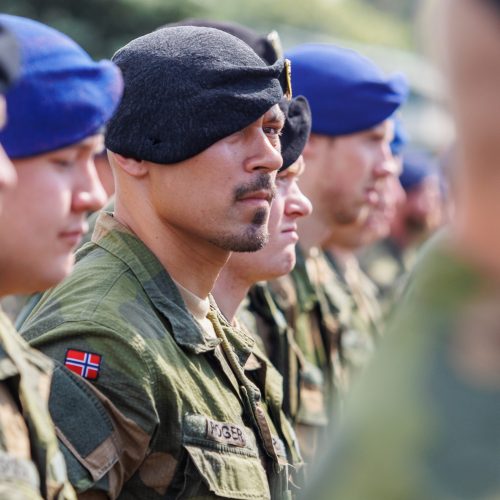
385 127
93 142
294 170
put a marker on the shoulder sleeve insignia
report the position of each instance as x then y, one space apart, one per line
85 364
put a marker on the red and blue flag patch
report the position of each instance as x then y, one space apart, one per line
85 364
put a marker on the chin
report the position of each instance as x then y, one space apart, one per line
287 263
56 273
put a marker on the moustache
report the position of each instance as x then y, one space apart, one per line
263 182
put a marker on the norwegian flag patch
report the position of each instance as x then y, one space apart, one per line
85 364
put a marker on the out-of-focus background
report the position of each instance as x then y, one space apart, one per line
385 30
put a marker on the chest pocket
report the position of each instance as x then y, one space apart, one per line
223 461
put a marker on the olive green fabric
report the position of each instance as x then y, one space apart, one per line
213 428
298 330
423 421
359 313
31 464
388 265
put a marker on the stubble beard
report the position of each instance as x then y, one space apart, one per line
255 235
350 216
253 238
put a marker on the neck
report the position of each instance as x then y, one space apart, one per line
229 291
192 262
400 235
340 253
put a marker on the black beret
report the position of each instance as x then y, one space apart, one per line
268 47
185 89
9 59
296 130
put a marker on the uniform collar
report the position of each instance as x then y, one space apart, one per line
118 240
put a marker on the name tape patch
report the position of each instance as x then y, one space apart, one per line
225 433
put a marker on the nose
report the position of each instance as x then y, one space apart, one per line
8 176
385 164
265 156
88 193
297 203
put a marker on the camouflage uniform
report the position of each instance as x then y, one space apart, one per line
387 265
31 464
424 420
353 294
300 336
205 410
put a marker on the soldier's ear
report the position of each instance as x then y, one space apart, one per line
133 167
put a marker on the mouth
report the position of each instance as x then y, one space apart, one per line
372 196
73 235
260 196
291 232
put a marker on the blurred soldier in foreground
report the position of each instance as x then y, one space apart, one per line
424 421
195 149
389 261
52 130
346 156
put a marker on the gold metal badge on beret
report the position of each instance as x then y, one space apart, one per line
274 39
288 79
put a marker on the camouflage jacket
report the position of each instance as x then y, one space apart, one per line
201 415
353 295
299 332
423 420
263 319
31 464
387 266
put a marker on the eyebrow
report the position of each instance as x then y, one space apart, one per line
88 143
277 116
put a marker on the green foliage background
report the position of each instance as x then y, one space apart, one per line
102 26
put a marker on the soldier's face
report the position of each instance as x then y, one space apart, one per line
423 209
378 223
348 170
44 216
278 256
473 69
471 61
7 173
223 195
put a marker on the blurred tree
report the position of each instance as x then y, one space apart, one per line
103 26
358 20
404 9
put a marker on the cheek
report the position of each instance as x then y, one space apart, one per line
276 214
43 202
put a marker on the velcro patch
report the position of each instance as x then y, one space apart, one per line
225 433
85 364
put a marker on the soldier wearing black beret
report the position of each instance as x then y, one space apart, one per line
195 149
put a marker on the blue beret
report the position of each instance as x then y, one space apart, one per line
296 130
61 96
186 88
9 59
400 139
347 92
416 167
